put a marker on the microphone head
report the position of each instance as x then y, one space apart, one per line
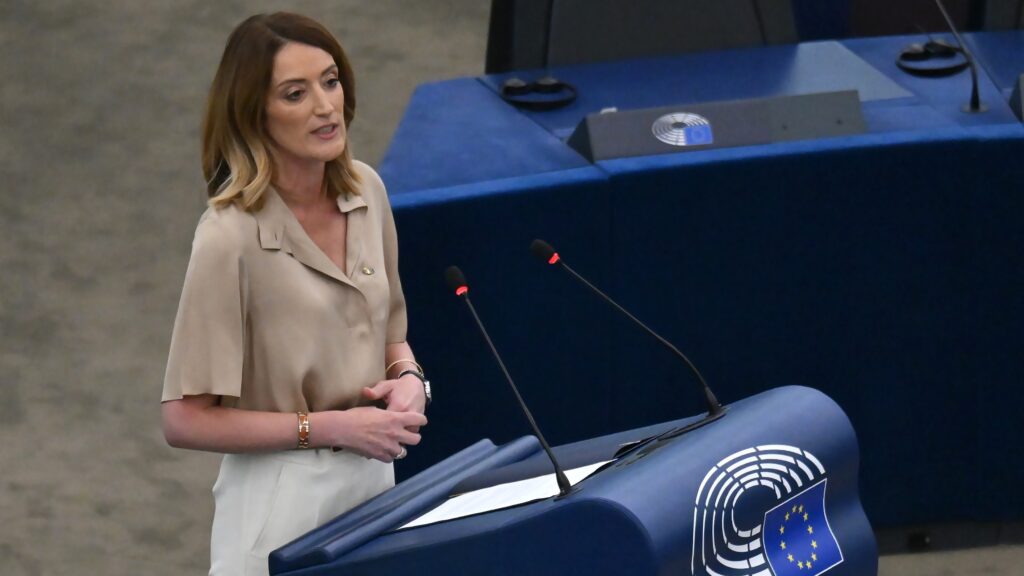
456 280
544 251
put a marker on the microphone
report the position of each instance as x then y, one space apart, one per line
974 106
457 282
545 252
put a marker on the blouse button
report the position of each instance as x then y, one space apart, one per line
367 270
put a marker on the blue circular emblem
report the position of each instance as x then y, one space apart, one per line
683 129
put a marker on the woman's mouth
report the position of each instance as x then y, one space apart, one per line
326 132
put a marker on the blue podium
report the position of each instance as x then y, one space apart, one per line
768 489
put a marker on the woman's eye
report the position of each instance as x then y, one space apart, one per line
293 95
333 82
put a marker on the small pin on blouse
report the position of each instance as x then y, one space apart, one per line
367 270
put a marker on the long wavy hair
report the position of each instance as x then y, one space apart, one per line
237 161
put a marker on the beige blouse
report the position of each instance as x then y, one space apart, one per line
267 321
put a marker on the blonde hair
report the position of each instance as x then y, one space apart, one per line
236 159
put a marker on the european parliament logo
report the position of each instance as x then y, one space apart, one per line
683 129
761 512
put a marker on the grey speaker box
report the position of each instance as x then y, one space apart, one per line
723 124
1017 98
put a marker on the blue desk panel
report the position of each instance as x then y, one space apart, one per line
886 270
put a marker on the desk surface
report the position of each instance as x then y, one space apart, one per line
724 75
460 132
1001 55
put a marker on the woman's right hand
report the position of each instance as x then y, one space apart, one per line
367 431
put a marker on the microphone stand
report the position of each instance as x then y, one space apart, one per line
457 281
974 106
543 251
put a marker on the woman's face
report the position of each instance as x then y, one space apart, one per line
305 107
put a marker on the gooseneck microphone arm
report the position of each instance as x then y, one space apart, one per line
975 104
457 282
545 252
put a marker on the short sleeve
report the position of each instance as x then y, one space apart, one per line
207 345
398 322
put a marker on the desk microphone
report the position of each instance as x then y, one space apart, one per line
975 104
457 282
545 252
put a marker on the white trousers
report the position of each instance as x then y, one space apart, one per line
263 501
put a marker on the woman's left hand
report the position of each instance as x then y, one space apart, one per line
405 394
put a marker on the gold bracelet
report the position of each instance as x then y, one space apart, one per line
399 361
303 430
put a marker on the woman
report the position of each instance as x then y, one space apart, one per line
289 342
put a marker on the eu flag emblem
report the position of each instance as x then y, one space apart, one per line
796 535
698 134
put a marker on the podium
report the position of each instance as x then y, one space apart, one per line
768 489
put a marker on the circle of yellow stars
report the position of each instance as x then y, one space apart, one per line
801 563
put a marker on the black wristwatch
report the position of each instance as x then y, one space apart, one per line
423 379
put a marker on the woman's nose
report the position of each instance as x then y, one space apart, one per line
321 103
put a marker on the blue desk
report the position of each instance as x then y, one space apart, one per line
884 269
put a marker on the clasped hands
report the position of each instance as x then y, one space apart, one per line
400 395
384 434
